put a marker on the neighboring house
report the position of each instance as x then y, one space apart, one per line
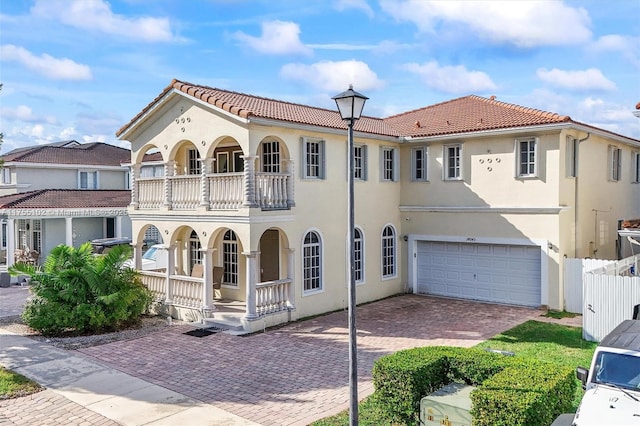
62 193
472 198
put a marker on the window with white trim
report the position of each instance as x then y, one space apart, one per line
127 179
222 162
388 252
452 156
358 255
88 180
271 157
635 161
419 164
238 161
6 175
360 162
193 162
230 258
572 157
614 163
388 164
152 171
3 245
527 155
195 253
312 158
311 262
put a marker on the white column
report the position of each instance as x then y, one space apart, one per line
250 181
251 273
205 200
118 226
135 174
169 170
207 276
178 262
288 166
291 294
11 241
171 260
68 231
137 255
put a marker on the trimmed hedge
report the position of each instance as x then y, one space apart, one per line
511 391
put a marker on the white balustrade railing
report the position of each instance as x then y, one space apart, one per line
226 190
150 192
272 296
271 190
186 291
185 192
156 282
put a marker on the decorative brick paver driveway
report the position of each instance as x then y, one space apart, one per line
299 373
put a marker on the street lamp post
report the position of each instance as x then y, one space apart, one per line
350 105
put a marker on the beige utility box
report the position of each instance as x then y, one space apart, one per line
448 406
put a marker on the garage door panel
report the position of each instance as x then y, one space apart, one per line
497 273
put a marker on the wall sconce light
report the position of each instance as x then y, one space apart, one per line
406 238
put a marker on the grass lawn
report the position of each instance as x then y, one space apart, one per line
13 385
544 341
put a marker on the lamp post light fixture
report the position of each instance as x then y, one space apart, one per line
350 105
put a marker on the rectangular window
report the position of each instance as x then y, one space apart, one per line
312 158
238 162
271 157
572 157
452 162
360 162
6 175
419 164
88 180
193 162
389 166
222 162
614 163
527 150
4 235
635 158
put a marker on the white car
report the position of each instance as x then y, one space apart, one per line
154 259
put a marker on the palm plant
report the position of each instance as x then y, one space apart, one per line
78 292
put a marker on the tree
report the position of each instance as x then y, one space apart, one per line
77 292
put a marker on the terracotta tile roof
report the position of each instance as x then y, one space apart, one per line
94 153
248 106
631 224
154 156
469 114
66 199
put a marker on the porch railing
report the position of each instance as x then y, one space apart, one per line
272 296
226 191
186 291
156 282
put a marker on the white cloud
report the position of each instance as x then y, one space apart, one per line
25 114
96 15
46 65
451 79
334 76
68 133
590 79
521 23
628 46
278 38
362 5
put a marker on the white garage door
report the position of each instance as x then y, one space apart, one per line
489 272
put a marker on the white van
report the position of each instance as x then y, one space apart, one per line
154 259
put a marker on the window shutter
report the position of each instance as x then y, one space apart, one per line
396 165
323 167
303 157
365 165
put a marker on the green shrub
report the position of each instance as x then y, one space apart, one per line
511 390
77 292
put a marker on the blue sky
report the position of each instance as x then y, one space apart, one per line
81 69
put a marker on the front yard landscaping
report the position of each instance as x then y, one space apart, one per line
14 385
540 341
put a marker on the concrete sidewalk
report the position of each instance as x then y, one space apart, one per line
85 392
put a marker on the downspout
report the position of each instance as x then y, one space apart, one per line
576 159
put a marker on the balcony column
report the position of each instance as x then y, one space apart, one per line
137 255
171 261
290 274
288 168
11 241
133 184
169 171
251 273
68 231
250 181
207 284
205 201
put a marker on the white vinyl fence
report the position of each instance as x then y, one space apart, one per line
609 293
573 272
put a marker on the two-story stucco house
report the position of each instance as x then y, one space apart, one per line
62 193
472 198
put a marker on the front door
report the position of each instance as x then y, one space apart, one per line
270 256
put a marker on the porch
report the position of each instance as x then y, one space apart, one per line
190 299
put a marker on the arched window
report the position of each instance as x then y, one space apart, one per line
358 255
195 255
271 157
388 252
312 262
230 258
